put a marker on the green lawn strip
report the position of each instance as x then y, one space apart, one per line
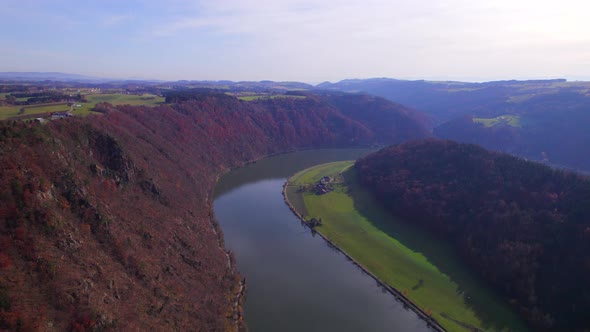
288 96
250 98
388 259
511 120
514 121
124 99
407 270
296 199
315 173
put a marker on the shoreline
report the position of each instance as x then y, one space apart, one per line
430 322
240 297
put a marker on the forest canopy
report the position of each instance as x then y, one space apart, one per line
524 227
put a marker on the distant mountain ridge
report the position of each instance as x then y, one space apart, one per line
544 120
48 76
445 100
67 77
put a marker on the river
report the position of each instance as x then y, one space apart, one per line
295 281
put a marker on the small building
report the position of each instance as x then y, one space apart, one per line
323 186
60 115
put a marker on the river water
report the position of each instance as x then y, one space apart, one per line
295 281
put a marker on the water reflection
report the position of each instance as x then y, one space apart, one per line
296 282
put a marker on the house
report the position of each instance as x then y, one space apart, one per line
60 115
322 187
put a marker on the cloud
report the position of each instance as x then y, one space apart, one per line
116 19
321 39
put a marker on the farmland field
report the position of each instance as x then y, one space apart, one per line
511 120
85 108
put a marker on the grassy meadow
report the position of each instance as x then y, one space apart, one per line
7 112
421 266
511 120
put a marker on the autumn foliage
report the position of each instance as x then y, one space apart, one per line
106 221
524 227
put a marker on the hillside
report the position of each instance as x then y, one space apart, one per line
447 100
550 128
544 120
105 221
522 226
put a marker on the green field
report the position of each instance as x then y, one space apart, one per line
118 99
11 111
86 107
421 266
510 120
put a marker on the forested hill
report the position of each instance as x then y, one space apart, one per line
545 120
523 226
106 221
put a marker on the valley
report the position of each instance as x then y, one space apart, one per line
69 185
287 166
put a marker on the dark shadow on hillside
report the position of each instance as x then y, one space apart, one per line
477 295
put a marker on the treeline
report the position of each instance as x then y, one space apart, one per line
105 221
41 97
523 226
194 94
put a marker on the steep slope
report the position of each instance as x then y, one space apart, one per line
447 100
523 226
105 222
550 128
550 117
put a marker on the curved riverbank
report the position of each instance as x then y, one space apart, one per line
294 281
433 323
419 268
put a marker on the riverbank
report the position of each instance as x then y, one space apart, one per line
239 296
433 323
295 281
419 268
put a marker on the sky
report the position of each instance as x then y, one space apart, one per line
292 40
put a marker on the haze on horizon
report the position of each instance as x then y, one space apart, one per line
309 41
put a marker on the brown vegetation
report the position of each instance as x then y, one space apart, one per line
105 222
523 226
